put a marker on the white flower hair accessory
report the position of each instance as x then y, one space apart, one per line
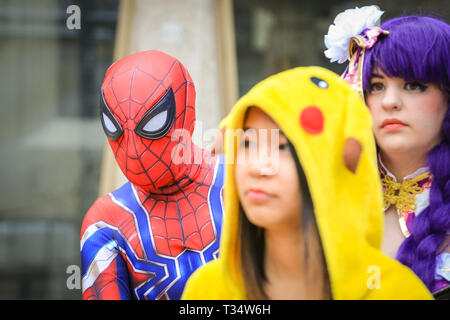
346 25
354 31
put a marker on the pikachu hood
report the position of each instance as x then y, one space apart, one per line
331 130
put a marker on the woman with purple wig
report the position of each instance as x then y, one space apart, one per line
401 69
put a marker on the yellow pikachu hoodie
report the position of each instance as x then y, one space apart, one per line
331 130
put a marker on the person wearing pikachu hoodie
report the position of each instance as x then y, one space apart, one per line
303 218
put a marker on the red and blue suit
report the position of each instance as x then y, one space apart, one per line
143 240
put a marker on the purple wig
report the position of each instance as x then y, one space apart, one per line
417 49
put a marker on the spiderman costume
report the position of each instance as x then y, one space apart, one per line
143 240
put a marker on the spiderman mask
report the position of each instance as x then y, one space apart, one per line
147 105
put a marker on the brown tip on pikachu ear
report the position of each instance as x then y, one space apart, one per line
352 152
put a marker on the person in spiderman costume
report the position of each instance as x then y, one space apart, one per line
143 240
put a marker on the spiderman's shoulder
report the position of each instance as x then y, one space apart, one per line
103 209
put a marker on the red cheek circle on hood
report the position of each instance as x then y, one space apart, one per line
311 120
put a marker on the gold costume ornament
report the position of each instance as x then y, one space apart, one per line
402 196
